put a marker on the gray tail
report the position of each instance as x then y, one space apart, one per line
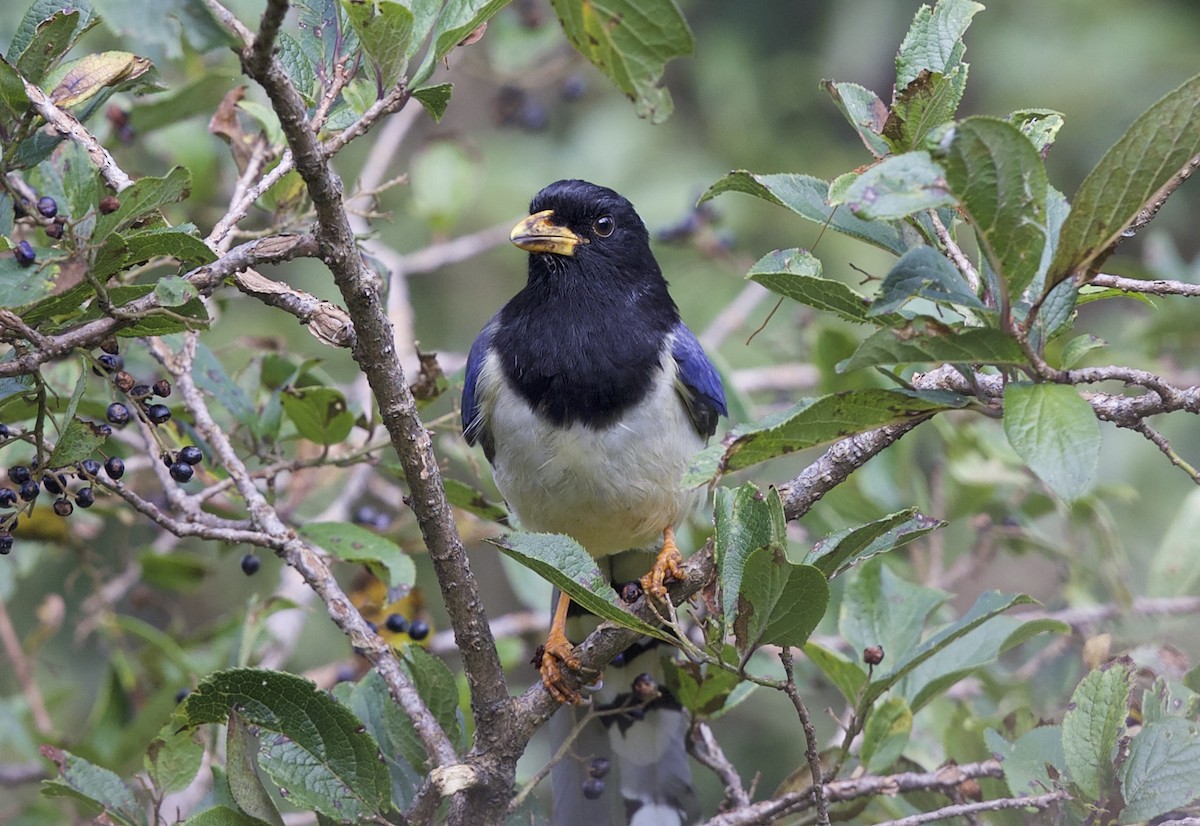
629 765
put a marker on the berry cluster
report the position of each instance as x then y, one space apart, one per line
44 212
593 786
26 482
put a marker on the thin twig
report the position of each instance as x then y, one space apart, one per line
67 126
964 265
1152 287
810 737
1160 441
1041 801
702 744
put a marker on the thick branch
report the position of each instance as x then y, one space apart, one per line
67 126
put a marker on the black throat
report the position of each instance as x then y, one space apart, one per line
582 346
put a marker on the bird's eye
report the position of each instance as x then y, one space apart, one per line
604 226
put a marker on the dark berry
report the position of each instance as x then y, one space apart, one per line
631 592
114 467
593 788
118 414
54 483
110 363
47 206
8 497
191 454
20 474
181 695
139 392
28 491
124 381
4 431
63 507
396 623
158 413
85 498
89 467
54 230
109 204
6 542
250 564
25 254
599 766
181 472
873 655
162 387
418 629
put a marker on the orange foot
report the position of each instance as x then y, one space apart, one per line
668 567
559 665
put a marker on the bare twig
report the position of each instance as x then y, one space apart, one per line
1160 441
955 252
810 738
444 253
67 126
1041 801
1153 287
702 744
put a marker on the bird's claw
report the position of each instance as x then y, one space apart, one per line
668 567
560 670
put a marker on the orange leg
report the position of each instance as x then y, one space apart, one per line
667 568
559 660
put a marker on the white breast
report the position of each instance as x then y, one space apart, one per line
611 489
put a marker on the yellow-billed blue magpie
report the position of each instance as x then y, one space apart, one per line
589 396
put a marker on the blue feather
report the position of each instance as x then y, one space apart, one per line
701 384
474 427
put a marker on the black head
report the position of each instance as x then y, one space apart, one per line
589 226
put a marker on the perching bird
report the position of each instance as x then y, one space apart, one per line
590 396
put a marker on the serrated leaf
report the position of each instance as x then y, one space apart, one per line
319 413
923 272
927 102
434 98
354 543
1153 150
52 39
838 552
798 608
298 67
168 242
79 440
392 729
1162 770
173 760
700 690
241 772
458 20
1040 126
563 562
926 342
1000 182
886 734
630 41
865 112
934 40
1093 723
1055 431
898 187
796 274
808 197
846 675
83 780
745 521
1032 761
40 11
881 609
813 422
385 30
341 776
144 199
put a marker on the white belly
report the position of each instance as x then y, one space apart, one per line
611 489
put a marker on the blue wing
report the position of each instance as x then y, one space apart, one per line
700 385
474 427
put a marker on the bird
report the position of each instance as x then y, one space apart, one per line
589 397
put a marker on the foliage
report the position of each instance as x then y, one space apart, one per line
127 349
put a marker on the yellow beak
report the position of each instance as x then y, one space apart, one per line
537 234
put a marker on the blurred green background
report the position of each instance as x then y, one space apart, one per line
526 111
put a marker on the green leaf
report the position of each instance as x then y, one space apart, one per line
458 20
881 609
927 102
21 286
1032 762
563 562
384 29
173 291
1055 431
923 272
437 687
865 112
434 98
175 21
319 413
79 440
145 198
354 543
928 342
53 39
813 422
1040 126
846 675
222 816
1078 347
934 40
701 690
165 242
796 274
390 726
212 378
898 187
336 763
173 759
1162 770
1094 723
1000 182
88 782
886 734
808 197
40 11
630 41
798 608
80 80
838 552
1175 568
12 92
241 772
745 521
1153 151
461 495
